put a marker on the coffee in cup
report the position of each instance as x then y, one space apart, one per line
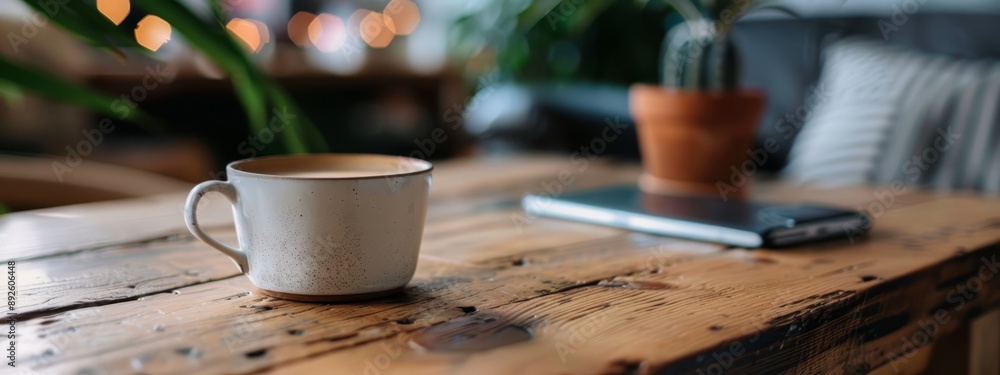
324 227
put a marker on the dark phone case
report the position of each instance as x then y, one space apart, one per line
757 217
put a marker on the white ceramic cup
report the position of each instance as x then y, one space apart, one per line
325 227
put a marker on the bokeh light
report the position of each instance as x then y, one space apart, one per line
246 31
115 10
152 32
402 16
327 32
389 25
298 28
265 34
354 22
376 31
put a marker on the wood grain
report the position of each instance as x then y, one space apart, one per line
223 320
494 297
740 312
85 227
138 247
94 278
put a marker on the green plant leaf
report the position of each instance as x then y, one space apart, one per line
212 40
252 98
10 92
207 38
215 7
47 85
85 22
300 123
252 87
291 127
538 11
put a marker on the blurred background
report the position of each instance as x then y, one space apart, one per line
434 79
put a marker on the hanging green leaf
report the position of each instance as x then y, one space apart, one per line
207 38
44 84
84 21
254 103
81 18
252 87
10 92
296 122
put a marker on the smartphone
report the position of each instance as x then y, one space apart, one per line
733 222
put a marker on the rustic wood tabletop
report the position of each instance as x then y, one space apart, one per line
120 287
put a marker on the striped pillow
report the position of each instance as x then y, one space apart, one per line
892 115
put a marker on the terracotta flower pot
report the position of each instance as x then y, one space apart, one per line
689 140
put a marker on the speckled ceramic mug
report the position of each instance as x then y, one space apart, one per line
327 227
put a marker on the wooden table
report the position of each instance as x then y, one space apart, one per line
121 287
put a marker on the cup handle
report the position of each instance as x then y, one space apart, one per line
191 219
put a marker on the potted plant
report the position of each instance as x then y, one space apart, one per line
699 123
